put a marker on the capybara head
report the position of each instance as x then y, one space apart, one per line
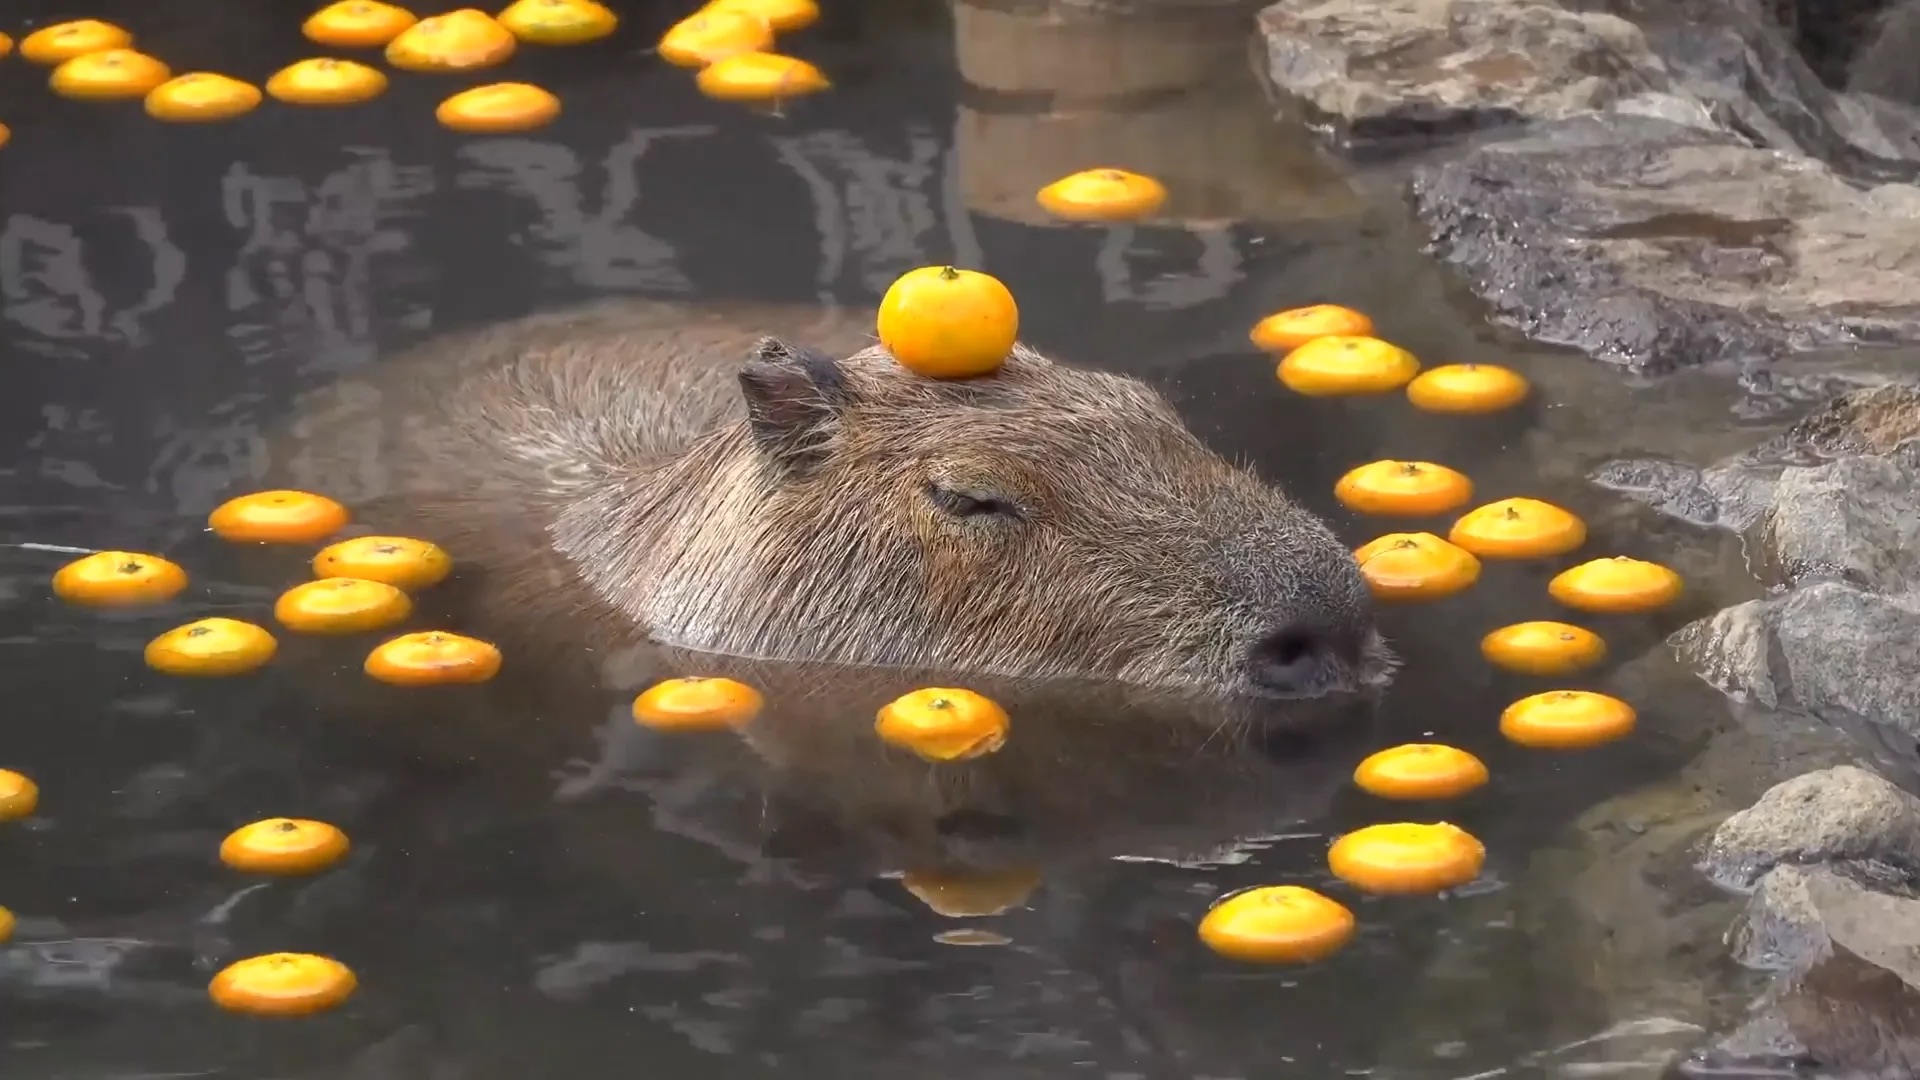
1042 521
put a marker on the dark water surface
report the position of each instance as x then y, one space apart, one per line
166 291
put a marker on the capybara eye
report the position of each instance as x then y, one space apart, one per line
965 504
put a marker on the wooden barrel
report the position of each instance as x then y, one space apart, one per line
1160 87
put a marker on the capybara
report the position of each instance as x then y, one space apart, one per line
640 490
767 482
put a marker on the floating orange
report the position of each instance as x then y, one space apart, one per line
697 703
432 658
1467 388
1277 924
461 40
943 724
278 517
1103 195
1284 331
1404 857
399 561
558 22
6 45
282 984
201 97
1411 488
1543 647
341 606
948 324
706 36
972 895
284 846
107 75
1415 566
1616 586
1518 529
785 16
759 76
6 134
1346 364
1420 771
118 579
19 796
212 647
357 24
65 40
498 108
325 81
1567 720
6 924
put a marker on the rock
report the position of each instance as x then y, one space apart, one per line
1871 421
1658 245
1379 71
1828 34
1737 493
1856 519
1847 944
1883 63
1736 58
1761 1048
1731 650
1785 925
1830 514
1684 189
1391 68
1841 813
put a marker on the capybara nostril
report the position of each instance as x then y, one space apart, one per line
1294 659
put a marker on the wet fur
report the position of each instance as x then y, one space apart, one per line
717 479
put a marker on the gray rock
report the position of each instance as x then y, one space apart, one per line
1856 519
1732 650
1735 58
1841 813
1388 68
1873 420
1761 1049
1686 189
1795 911
1375 70
1883 65
1830 511
1658 245
1738 493
1846 942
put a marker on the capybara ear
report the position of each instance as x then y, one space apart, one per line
794 398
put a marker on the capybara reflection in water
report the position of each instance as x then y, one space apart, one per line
767 482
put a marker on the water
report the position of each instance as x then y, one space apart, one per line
165 293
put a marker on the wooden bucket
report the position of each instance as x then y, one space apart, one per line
1160 87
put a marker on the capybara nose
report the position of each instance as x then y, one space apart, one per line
1299 658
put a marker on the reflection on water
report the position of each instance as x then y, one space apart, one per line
602 250
540 887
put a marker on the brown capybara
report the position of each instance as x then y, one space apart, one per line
836 532
766 482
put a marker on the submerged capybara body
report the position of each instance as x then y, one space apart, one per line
1090 771
766 482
